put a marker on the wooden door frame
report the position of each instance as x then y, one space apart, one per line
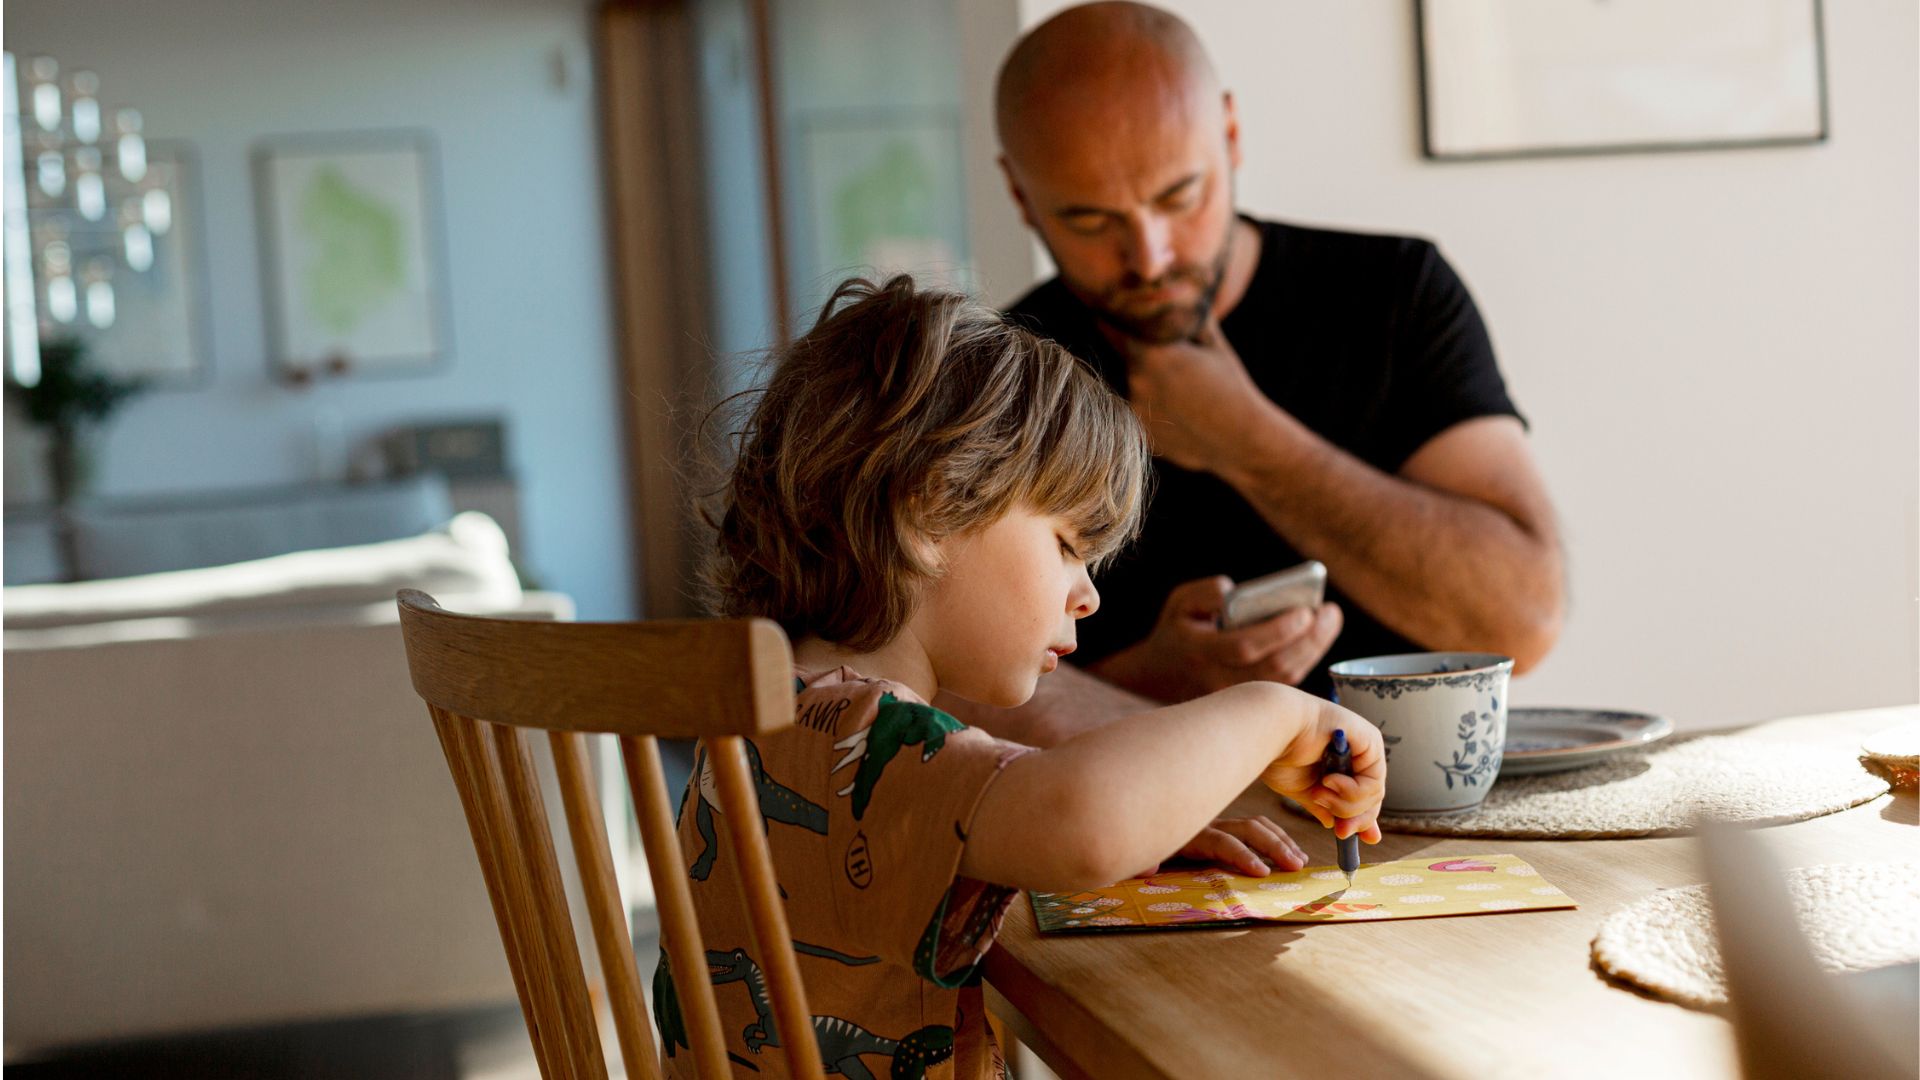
649 89
650 126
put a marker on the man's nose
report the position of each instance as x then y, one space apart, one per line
1149 251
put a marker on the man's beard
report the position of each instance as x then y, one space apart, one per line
1169 322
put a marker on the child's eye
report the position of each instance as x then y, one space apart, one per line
1068 548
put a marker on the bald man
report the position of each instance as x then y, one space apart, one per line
1311 394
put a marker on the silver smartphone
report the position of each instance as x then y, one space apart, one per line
1264 597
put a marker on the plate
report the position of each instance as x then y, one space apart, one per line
1545 740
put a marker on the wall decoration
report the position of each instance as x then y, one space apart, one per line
1527 78
351 240
103 233
884 195
152 323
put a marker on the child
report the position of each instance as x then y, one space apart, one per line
920 494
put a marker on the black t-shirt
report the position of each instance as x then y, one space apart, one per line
1370 341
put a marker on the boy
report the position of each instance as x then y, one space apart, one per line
920 496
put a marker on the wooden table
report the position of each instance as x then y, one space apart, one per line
1485 996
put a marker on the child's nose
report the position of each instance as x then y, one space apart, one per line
1085 599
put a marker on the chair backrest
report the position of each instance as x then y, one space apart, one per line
487 680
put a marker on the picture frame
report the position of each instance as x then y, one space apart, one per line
158 331
882 193
352 254
1545 78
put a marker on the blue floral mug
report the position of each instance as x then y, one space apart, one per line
1444 716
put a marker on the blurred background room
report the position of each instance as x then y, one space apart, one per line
308 301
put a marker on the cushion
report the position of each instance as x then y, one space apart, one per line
466 557
123 538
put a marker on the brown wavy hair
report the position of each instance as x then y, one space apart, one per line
909 415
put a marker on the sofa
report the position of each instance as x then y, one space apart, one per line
127 536
225 805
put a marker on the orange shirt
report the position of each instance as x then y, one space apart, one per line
867 801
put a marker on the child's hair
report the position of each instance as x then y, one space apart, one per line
904 416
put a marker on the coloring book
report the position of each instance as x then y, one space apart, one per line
1407 889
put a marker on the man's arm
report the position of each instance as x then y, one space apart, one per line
1065 703
1457 551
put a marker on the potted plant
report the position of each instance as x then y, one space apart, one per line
71 398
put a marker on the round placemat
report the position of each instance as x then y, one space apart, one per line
1663 790
1855 918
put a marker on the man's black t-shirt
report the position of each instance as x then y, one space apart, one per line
1370 341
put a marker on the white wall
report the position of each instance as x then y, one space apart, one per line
521 209
1002 250
1717 351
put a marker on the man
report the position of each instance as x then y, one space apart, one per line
1310 393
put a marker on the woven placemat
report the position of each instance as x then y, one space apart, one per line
1664 789
1855 918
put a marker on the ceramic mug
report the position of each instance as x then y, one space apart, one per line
1444 718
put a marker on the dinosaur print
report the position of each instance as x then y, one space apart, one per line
825 953
666 1014
896 724
666 1006
725 967
842 1042
777 803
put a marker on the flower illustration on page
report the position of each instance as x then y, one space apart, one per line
1455 866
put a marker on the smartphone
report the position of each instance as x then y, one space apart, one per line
1264 597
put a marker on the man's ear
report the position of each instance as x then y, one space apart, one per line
1233 129
1019 197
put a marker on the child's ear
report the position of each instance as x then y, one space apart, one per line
927 552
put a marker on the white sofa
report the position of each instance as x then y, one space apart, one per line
119 537
226 807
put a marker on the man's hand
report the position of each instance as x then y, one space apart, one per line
1252 846
1187 655
1194 397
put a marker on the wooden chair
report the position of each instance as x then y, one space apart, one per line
486 681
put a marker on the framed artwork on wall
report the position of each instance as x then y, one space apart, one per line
884 193
149 321
352 253
1532 78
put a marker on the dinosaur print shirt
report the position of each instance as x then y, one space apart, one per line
867 801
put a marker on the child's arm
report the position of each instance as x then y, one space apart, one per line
1065 703
1101 806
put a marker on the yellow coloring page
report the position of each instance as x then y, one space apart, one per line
1405 889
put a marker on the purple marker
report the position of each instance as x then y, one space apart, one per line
1339 759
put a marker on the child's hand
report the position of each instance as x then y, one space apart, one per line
1254 846
1349 805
